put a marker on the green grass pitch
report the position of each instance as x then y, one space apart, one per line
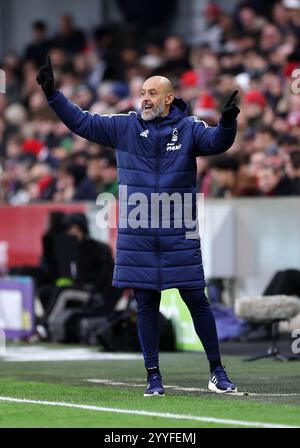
272 394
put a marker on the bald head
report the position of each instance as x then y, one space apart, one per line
157 95
160 81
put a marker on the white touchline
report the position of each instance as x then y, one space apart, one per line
189 389
147 413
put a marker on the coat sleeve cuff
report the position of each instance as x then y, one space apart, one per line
53 97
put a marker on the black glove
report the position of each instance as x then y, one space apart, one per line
45 78
230 111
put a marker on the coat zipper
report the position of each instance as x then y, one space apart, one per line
157 191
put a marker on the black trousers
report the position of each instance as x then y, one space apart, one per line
148 302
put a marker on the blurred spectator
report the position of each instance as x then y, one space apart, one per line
74 185
266 140
249 21
205 108
204 177
213 32
255 103
254 50
233 178
102 170
95 258
288 143
270 37
175 58
93 273
257 161
109 173
95 172
293 170
69 38
37 50
272 182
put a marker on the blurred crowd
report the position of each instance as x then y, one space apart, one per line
255 49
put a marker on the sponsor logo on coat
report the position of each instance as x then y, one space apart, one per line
172 146
145 133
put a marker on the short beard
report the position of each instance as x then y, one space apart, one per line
155 112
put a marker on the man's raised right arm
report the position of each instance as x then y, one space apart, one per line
97 128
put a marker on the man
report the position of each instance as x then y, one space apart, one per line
94 266
156 153
271 181
73 184
102 170
38 48
293 171
232 177
69 37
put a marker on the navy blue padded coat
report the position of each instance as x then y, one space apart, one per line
152 156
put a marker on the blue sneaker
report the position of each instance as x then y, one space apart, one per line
219 382
155 386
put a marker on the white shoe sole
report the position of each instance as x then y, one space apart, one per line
213 388
156 394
